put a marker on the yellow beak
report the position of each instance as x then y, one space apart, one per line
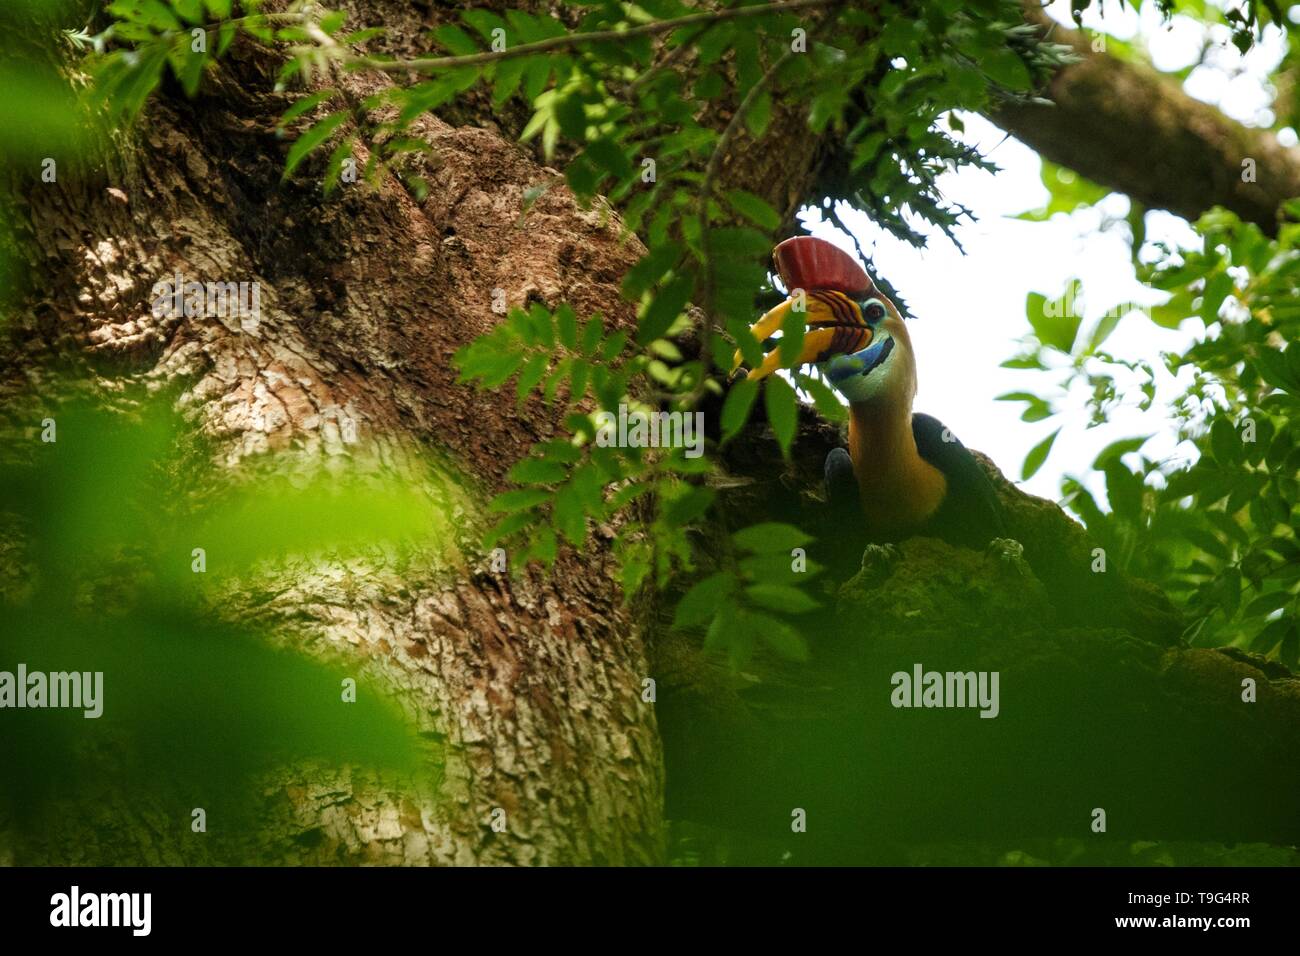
822 334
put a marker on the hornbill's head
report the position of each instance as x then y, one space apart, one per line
884 370
854 334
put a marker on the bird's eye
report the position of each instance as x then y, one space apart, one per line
873 311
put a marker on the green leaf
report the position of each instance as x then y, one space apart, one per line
709 86
1172 314
519 500
506 77
792 331
1207 542
1037 455
738 243
530 375
545 545
1006 68
191 11
1125 490
1274 367
1055 322
571 114
1117 449
778 635
332 22
361 36
650 268
570 517
535 77
1105 326
736 406
759 114
1068 190
334 166
636 569
225 36
687 506
455 40
1225 442
1267 603
664 308
825 398
782 410
1289 652
725 635
484 22
1293 363
540 319
777 567
558 450
556 379
313 137
582 177
781 597
501 368
610 157
508 527
566 327
1271 634
188 68
1229 592
754 208
592 333
699 604
613 346
578 380
153 12
536 471
770 536
1217 288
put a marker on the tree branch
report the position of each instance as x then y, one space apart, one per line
1126 126
579 39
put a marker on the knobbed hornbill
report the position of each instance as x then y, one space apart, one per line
903 472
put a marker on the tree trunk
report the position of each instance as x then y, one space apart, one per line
535 683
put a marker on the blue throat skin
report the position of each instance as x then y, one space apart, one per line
862 363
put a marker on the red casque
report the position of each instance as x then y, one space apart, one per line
806 262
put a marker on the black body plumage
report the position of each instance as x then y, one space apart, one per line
971 514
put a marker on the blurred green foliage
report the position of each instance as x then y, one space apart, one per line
1066 192
694 844
1223 535
747 603
103 522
